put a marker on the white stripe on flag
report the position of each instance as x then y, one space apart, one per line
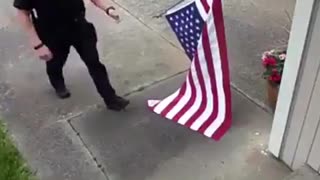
201 9
195 106
164 103
152 103
219 78
209 107
182 102
210 3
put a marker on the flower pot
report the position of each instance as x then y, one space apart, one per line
272 94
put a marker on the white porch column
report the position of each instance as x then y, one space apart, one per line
296 50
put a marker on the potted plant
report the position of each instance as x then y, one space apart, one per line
273 62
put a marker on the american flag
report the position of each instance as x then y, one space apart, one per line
203 102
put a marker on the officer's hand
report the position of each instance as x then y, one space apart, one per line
44 53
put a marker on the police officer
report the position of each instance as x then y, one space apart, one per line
53 26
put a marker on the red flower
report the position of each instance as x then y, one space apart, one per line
269 61
275 71
275 76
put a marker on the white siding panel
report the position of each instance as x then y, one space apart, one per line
303 93
314 157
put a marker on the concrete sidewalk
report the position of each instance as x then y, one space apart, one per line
138 144
78 139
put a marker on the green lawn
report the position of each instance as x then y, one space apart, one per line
12 166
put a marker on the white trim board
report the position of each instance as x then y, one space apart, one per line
298 36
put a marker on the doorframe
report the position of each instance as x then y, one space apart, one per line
296 47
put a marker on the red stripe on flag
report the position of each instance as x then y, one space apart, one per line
205 5
219 23
203 105
209 60
190 101
175 101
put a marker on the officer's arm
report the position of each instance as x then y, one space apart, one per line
101 4
26 22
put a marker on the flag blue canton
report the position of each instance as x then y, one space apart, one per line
187 24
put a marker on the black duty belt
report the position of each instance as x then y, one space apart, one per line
59 20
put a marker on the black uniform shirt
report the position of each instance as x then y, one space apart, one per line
53 11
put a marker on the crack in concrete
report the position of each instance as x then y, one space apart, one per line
97 106
144 87
69 117
91 154
146 25
61 120
167 9
253 100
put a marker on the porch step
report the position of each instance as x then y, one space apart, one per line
304 173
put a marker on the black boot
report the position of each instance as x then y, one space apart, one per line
63 93
117 103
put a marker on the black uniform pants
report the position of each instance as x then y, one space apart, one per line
82 36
